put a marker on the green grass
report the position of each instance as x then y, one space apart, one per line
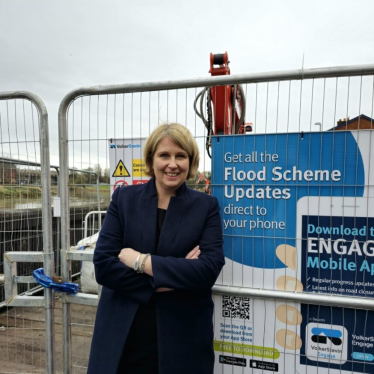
9 192
102 187
35 192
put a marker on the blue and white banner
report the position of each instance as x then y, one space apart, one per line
297 215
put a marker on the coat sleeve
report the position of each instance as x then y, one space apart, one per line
109 270
200 274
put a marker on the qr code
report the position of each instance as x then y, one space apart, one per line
236 307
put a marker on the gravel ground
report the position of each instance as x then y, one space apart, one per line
22 339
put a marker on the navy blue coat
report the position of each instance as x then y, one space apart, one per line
184 316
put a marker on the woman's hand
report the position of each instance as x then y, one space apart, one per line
128 256
194 254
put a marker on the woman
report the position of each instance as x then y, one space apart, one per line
157 257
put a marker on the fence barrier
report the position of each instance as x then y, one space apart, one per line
295 279
300 104
26 234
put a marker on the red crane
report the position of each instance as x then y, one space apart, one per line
225 104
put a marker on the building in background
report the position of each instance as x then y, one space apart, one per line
360 122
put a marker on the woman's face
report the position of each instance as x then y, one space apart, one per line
170 165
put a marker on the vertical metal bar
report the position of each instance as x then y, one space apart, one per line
10 269
47 236
65 232
98 199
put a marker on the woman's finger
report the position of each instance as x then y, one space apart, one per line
193 252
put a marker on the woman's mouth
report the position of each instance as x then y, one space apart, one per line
171 174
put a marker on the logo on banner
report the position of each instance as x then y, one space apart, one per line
326 342
120 170
230 360
322 335
263 365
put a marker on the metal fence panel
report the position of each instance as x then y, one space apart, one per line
304 104
27 330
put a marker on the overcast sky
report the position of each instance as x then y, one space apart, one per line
52 47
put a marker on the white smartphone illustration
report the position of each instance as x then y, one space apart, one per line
335 255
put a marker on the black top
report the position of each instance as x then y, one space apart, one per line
140 355
161 213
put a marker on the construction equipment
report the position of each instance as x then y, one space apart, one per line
225 104
203 177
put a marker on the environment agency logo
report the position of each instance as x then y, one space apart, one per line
326 343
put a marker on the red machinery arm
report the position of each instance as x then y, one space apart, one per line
225 104
228 101
203 177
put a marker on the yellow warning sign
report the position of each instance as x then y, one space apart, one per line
138 167
120 170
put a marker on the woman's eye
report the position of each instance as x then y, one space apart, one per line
164 155
181 156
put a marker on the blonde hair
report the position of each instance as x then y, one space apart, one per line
181 136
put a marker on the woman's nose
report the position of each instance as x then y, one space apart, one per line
173 163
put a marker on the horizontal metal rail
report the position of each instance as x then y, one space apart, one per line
27 301
82 299
23 256
293 297
14 161
80 255
30 292
298 74
297 297
24 279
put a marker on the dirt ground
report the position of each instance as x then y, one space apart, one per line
22 338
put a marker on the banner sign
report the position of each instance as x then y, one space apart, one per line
126 162
297 215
